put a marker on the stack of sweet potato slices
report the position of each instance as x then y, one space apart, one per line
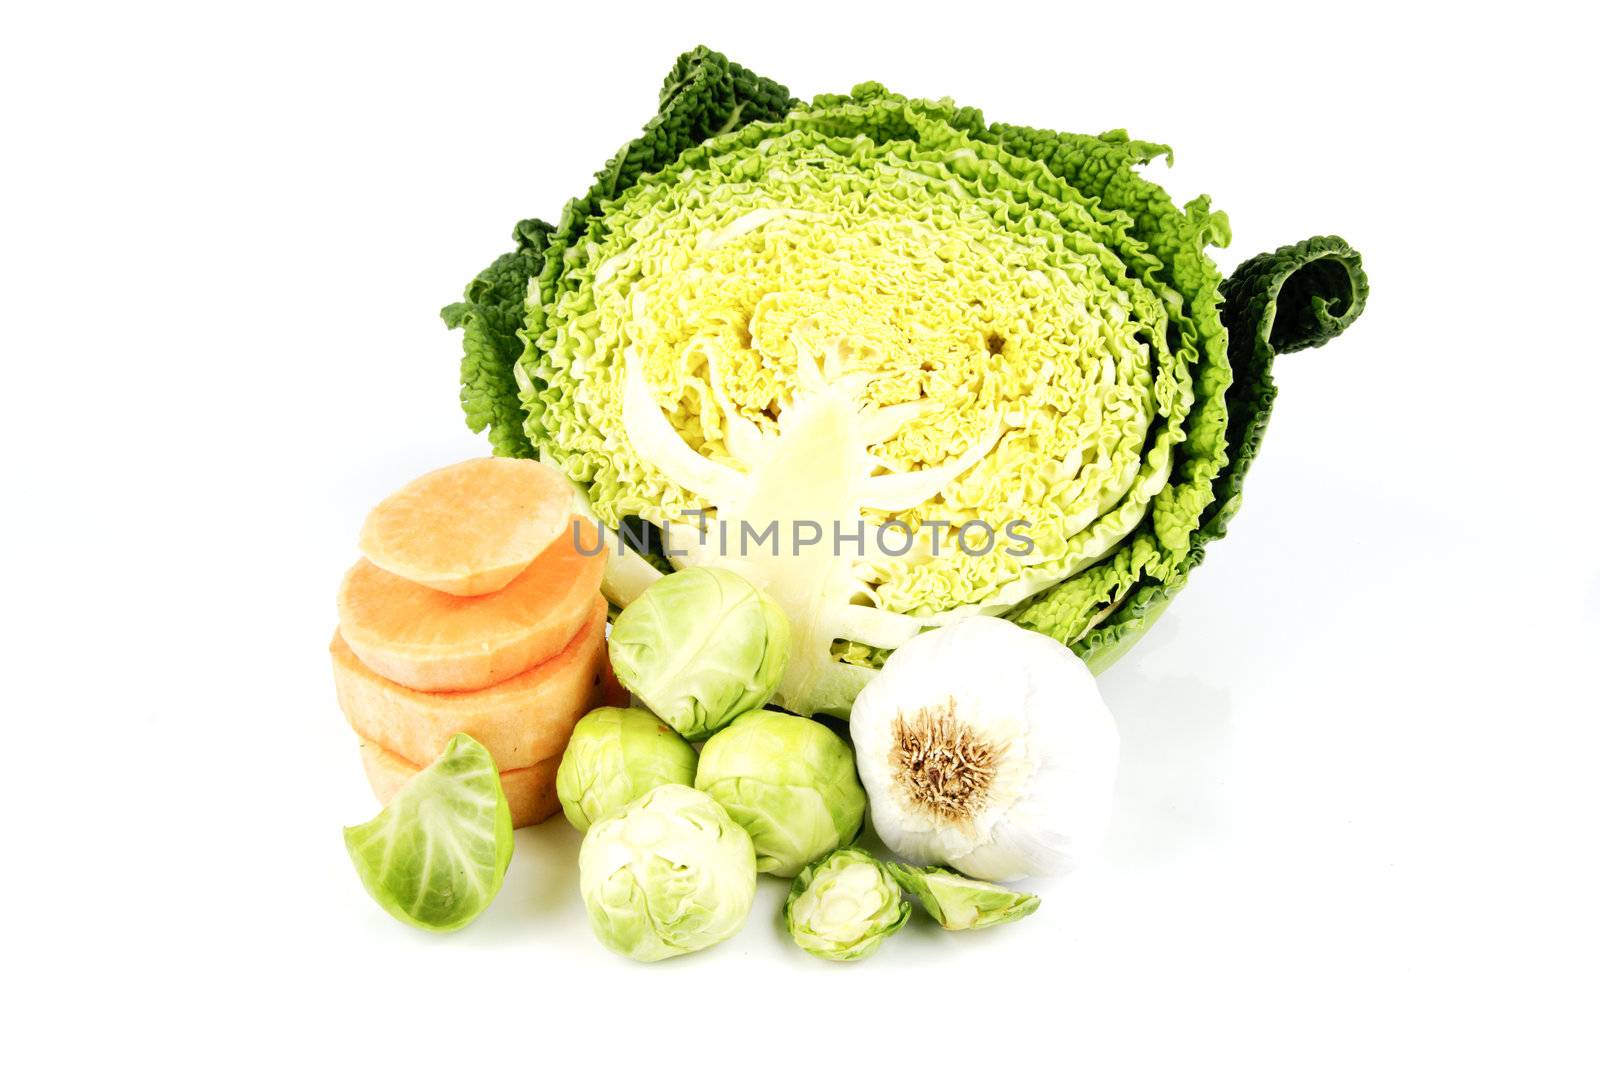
476 609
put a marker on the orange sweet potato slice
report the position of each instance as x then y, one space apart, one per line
470 528
613 694
530 791
424 639
521 721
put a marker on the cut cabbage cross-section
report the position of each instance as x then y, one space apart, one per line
868 315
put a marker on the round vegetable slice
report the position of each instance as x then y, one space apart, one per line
470 528
436 855
521 721
424 639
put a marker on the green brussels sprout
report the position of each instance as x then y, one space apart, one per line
790 782
957 902
671 873
616 756
843 906
435 857
700 648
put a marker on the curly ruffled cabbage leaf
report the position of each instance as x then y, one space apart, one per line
997 359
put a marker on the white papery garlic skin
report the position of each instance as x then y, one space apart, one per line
987 748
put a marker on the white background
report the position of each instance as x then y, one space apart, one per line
1357 813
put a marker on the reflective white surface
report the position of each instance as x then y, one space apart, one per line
1357 811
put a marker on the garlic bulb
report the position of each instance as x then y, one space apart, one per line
986 747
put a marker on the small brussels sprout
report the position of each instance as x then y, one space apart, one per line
960 903
616 756
700 648
842 907
790 782
435 857
669 874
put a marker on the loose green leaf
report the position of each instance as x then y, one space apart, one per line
435 857
957 902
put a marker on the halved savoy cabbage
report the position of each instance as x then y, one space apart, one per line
893 315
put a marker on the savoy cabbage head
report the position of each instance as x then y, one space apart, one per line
881 314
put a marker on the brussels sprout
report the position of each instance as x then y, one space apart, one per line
960 903
842 907
700 648
790 782
615 756
669 874
435 857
